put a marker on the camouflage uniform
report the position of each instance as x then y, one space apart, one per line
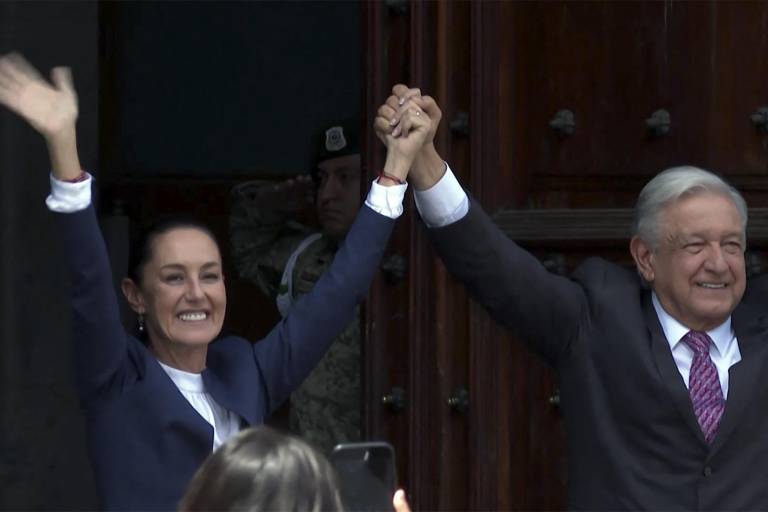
325 409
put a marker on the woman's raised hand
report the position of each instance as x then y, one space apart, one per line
50 108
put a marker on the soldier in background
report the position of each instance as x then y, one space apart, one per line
285 258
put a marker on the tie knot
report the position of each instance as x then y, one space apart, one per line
698 341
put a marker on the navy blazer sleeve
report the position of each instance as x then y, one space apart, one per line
295 345
542 308
101 344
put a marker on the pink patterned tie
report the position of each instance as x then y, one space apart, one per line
704 385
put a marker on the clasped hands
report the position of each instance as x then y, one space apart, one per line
406 123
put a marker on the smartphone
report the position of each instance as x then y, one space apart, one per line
367 475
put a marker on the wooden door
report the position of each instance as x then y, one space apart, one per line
417 328
502 72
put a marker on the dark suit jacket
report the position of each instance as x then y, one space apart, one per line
145 440
633 441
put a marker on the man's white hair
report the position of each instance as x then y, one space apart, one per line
671 185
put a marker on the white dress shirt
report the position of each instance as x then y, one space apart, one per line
724 352
225 423
68 197
444 203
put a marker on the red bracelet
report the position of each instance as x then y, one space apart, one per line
397 180
82 177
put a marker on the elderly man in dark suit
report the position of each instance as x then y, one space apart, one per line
663 385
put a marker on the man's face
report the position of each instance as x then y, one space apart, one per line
697 270
338 194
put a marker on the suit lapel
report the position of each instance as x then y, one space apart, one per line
750 328
182 407
668 368
231 397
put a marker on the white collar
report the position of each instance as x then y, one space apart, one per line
674 331
185 381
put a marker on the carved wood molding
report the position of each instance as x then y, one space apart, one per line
622 181
592 224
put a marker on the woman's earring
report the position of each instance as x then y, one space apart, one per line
141 323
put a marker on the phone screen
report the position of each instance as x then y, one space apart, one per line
367 475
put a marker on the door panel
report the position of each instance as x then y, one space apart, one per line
510 67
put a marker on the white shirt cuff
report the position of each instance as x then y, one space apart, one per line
444 203
387 201
69 197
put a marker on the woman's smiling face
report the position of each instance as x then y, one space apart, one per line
182 289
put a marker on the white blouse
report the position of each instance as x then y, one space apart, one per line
225 423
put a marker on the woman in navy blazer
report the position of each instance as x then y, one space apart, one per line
155 410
